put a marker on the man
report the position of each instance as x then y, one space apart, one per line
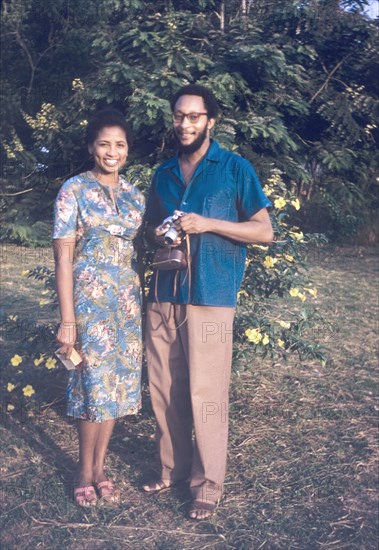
190 316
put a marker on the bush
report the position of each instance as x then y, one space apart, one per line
278 327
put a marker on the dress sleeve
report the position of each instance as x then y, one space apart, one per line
251 198
65 212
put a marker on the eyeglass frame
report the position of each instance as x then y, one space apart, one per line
183 116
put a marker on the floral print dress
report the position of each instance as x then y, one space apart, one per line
107 295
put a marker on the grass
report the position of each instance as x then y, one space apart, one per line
303 442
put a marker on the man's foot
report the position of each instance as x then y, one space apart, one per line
108 493
154 487
85 496
201 510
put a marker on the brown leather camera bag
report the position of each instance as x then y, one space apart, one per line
172 258
169 258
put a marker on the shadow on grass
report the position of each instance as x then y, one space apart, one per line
33 425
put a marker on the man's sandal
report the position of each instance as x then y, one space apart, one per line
85 496
156 486
108 493
201 510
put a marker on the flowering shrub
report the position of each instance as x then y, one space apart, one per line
278 327
36 344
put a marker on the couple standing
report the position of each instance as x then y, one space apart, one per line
189 325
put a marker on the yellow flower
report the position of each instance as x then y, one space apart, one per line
39 360
10 407
43 302
274 179
288 257
280 203
51 363
10 387
298 236
28 390
312 291
267 190
241 293
25 273
253 335
77 84
265 340
44 292
16 360
296 204
295 293
269 261
284 324
280 343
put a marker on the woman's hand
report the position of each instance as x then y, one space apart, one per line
66 336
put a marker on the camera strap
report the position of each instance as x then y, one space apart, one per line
188 274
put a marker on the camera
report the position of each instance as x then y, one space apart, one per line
172 233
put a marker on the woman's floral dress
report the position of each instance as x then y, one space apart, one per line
107 295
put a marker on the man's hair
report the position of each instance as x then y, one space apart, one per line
104 119
209 99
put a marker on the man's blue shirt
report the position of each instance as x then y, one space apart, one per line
224 186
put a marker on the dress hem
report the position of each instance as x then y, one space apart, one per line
96 419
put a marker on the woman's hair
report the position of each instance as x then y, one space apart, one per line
209 99
104 119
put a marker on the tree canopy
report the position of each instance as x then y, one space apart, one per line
296 81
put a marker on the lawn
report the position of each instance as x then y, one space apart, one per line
303 440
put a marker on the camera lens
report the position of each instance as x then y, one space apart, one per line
171 236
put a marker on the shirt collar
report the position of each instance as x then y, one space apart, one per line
214 152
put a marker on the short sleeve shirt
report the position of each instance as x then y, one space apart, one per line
226 187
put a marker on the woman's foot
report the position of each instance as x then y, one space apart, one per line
85 496
108 492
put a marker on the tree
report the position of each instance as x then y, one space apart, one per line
295 80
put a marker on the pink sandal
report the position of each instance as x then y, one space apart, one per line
108 493
85 496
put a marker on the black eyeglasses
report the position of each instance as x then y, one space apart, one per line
192 117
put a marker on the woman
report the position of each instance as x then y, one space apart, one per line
97 218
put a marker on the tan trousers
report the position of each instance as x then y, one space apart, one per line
189 375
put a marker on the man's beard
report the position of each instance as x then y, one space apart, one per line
192 147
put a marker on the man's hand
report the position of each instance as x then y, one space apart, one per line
193 223
159 233
257 229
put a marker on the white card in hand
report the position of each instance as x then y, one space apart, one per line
70 363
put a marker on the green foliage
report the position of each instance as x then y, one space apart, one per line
295 81
279 271
34 357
